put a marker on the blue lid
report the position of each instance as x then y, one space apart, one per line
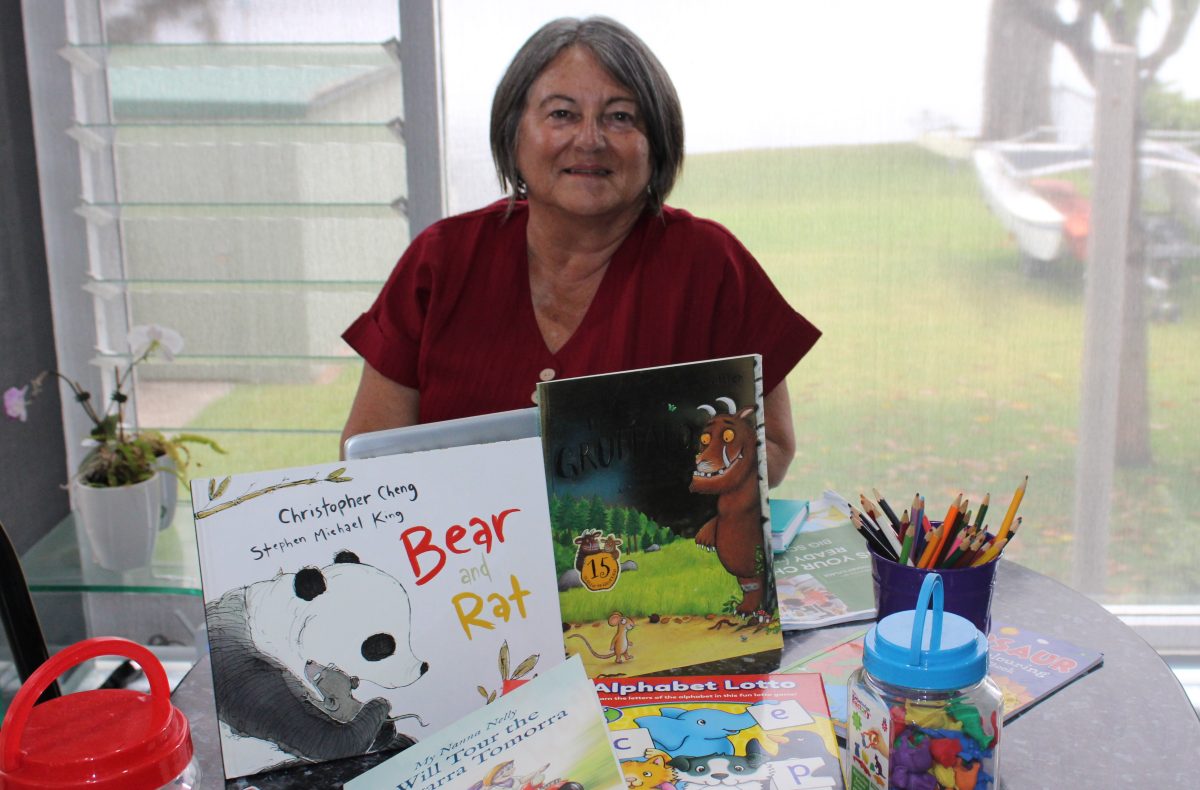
939 653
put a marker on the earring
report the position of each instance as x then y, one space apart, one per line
521 188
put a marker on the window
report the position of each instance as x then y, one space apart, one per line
835 141
243 180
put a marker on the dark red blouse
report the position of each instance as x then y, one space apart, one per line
455 319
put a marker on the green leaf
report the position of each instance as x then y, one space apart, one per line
221 488
212 488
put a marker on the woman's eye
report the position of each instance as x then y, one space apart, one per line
560 114
622 118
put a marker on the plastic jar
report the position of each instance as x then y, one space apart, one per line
922 712
105 739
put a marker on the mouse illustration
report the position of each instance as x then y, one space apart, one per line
620 643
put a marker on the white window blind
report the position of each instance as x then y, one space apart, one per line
243 180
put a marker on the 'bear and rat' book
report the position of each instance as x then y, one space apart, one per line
658 506
359 606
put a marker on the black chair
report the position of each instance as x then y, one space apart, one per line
21 624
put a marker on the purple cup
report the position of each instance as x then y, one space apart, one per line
968 591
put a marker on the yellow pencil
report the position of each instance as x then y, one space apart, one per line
992 552
1006 525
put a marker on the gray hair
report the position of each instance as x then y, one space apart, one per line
630 62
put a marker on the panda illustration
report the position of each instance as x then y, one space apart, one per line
265 635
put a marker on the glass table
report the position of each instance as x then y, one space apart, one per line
159 605
62 562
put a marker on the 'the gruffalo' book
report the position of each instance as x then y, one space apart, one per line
359 606
658 506
759 732
548 734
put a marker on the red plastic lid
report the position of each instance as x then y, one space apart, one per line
102 739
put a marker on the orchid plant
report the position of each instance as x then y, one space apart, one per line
119 456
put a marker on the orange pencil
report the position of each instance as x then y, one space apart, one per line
947 527
931 541
1012 509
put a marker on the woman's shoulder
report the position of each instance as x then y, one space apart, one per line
700 236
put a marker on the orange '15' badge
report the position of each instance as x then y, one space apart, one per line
599 572
598 559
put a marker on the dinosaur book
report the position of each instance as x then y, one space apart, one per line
358 606
771 732
658 511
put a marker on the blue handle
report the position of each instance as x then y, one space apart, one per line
931 586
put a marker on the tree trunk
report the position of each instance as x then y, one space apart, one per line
1016 94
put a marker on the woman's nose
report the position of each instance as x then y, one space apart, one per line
590 135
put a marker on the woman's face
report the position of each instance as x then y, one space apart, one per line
581 146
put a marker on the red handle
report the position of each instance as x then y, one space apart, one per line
22 704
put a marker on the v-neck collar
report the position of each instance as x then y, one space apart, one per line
604 296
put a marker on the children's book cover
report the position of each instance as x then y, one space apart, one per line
824 576
749 732
547 734
358 606
1026 665
657 482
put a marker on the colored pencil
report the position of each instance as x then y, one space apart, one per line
878 527
881 546
931 543
972 551
906 548
1006 525
955 549
987 498
887 509
919 526
947 526
991 553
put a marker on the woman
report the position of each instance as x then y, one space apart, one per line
583 269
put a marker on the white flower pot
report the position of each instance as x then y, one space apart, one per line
170 489
121 523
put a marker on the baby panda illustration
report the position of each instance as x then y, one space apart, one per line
280 645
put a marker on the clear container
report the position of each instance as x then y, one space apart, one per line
922 712
189 779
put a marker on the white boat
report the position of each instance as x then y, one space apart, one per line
1049 217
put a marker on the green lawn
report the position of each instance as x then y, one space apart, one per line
942 369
